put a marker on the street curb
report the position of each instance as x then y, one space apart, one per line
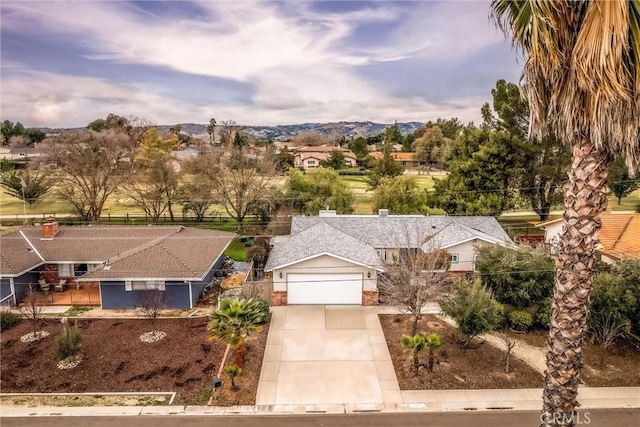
334 409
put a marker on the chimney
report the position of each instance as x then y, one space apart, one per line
383 213
50 229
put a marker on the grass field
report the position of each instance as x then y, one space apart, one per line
364 196
363 202
236 250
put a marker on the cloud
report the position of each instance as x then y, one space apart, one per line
300 64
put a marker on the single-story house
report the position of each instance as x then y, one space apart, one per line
310 157
121 261
335 259
20 154
619 236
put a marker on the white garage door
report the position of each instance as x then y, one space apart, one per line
324 288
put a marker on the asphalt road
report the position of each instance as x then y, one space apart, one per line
596 418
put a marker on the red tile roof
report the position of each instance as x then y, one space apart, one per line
620 235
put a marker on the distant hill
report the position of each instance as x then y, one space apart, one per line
286 132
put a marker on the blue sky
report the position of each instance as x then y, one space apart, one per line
65 64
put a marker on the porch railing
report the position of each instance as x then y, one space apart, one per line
85 298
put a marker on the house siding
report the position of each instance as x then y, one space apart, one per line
5 291
466 256
21 283
197 287
114 295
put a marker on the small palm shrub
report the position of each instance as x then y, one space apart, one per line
8 319
70 341
233 371
412 346
432 341
262 307
520 320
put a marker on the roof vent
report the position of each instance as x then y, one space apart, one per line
327 212
383 212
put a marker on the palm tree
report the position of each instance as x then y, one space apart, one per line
413 345
582 80
233 371
235 320
432 341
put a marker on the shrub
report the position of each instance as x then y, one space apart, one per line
520 320
262 307
473 307
8 319
70 341
618 293
543 318
520 277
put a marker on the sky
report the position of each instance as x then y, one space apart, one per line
65 64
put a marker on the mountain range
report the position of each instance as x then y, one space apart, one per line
286 132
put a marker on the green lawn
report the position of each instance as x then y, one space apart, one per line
236 250
363 203
364 196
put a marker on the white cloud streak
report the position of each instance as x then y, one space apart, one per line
292 59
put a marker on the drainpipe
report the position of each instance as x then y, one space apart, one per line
13 291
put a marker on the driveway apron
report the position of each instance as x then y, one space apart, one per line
323 355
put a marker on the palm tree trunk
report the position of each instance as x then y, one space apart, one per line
585 200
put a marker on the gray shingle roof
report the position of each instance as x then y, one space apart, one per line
16 256
133 252
408 230
321 239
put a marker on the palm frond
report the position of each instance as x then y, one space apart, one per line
582 72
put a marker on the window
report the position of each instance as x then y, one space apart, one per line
66 270
144 285
311 162
454 258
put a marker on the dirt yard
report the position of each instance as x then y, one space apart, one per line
620 367
455 367
115 360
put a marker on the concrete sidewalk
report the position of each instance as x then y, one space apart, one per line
414 401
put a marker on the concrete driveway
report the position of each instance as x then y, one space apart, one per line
321 355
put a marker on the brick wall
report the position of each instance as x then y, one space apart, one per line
278 298
369 297
50 230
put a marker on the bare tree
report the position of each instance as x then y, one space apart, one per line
154 187
32 307
415 276
151 302
228 130
237 179
196 192
90 166
606 329
509 343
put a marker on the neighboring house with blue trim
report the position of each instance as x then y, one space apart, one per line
121 261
